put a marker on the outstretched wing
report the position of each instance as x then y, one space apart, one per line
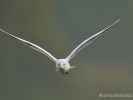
88 41
34 46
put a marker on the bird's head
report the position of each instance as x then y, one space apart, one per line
61 65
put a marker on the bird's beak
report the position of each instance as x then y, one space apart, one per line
61 67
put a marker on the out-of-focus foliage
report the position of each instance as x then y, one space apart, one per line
58 26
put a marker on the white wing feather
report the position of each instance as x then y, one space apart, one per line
88 41
34 46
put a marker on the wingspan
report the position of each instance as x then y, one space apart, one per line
34 46
88 41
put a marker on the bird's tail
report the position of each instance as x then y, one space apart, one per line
56 70
72 67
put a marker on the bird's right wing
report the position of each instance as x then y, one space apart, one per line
33 46
88 41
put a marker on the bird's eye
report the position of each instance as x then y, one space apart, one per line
59 64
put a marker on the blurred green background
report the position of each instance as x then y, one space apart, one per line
58 26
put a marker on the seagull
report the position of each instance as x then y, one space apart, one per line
62 65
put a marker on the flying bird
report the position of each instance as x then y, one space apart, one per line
62 65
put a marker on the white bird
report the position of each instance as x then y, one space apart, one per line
62 65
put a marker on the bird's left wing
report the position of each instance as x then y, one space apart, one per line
88 41
33 46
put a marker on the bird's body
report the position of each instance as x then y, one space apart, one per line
62 65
